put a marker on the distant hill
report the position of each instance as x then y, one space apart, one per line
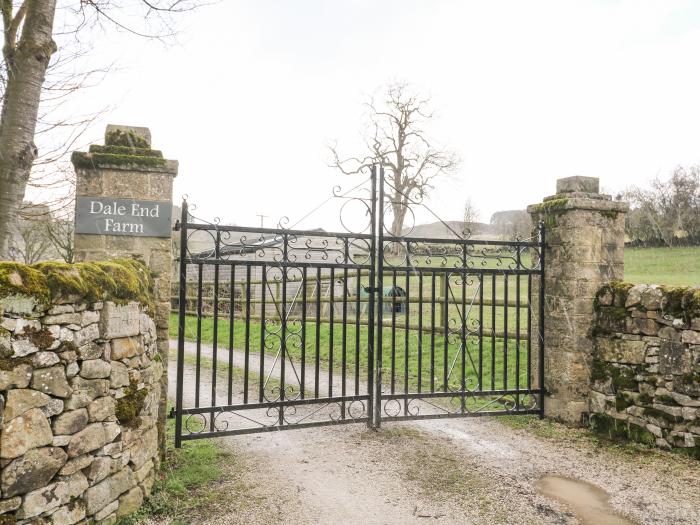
446 230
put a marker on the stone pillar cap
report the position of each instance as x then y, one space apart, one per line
115 134
578 184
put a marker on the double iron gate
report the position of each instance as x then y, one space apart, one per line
283 328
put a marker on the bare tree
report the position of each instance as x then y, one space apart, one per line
29 45
60 234
668 212
396 139
33 244
471 213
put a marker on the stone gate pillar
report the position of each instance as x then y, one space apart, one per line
585 233
123 210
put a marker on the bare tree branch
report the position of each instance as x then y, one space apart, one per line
395 139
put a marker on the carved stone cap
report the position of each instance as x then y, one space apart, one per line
578 193
578 184
128 136
127 148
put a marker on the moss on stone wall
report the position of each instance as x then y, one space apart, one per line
121 281
623 377
620 430
95 160
129 406
20 279
618 290
126 150
551 206
10 363
609 214
681 302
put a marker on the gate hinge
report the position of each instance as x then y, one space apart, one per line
176 227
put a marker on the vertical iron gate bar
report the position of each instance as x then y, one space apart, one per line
393 330
493 331
373 393
541 319
246 363
446 331
463 378
357 334
505 331
283 314
481 333
529 332
379 287
406 341
517 334
182 312
317 362
199 334
231 326
263 308
215 334
420 331
432 333
344 345
331 314
303 334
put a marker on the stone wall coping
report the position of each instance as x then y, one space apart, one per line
169 167
566 202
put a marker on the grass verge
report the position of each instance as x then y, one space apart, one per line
190 481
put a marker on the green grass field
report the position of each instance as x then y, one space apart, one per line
669 266
396 352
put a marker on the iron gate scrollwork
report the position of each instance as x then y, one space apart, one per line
283 328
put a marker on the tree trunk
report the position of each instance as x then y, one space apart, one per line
26 68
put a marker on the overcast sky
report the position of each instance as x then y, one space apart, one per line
524 92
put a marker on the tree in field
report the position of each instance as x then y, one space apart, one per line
395 137
668 212
471 214
511 224
61 236
29 51
33 244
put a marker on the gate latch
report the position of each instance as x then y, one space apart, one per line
370 289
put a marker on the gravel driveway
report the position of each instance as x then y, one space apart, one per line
469 471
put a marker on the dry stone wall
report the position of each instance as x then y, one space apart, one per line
645 376
79 393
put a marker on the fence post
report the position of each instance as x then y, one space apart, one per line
585 249
123 210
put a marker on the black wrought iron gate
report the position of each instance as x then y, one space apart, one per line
283 328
